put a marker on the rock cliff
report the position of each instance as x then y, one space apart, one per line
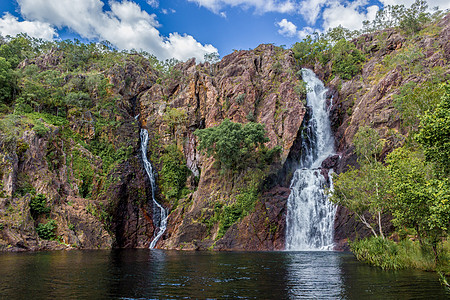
88 166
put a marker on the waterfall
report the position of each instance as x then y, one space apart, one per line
159 213
310 216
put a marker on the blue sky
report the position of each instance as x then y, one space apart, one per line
186 28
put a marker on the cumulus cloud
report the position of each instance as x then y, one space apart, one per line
153 3
287 28
310 10
125 25
261 6
10 25
349 15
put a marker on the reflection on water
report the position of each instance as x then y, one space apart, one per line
314 275
157 274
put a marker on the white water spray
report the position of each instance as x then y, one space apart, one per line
310 216
160 217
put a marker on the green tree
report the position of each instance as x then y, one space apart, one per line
364 190
434 133
174 173
6 81
346 59
420 200
232 144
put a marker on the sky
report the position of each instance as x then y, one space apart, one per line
187 28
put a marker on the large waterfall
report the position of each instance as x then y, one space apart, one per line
159 213
310 216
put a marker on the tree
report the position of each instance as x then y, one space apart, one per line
233 144
212 57
364 190
5 81
347 60
420 200
434 133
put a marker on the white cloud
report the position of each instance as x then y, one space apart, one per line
261 6
287 28
310 10
126 26
153 3
10 25
168 11
350 15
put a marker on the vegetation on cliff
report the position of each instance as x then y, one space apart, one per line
400 175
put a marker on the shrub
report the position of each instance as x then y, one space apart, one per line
174 173
40 128
47 231
347 60
38 205
233 145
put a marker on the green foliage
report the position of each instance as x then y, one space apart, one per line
346 59
78 99
368 145
389 255
174 117
6 81
420 201
364 189
413 101
411 19
233 145
230 214
47 231
83 170
301 89
241 98
40 128
38 205
312 49
173 174
434 133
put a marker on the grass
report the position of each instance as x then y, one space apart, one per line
405 254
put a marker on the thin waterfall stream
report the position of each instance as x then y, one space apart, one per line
159 213
310 216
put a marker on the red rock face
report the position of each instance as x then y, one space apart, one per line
256 85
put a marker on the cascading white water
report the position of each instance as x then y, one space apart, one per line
161 217
310 216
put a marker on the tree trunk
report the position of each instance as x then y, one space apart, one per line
363 220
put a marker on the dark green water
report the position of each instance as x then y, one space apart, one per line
145 274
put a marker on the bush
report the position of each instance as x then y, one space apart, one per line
38 205
40 128
347 60
233 145
174 173
47 231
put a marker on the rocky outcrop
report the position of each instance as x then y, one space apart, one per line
257 85
368 98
